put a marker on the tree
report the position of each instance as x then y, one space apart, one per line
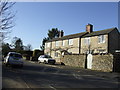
17 44
5 49
6 17
29 47
43 43
53 33
36 54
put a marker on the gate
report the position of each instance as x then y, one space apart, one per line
89 61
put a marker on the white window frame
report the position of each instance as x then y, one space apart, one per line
63 42
48 44
56 54
101 39
56 43
87 41
70 41
48 53
45 45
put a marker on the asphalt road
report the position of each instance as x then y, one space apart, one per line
54 77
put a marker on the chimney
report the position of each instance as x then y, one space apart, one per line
61 33
89 28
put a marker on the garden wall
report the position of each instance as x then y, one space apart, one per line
105 63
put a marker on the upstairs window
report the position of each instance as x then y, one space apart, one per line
63 43
101 39
48 44
57 43
87 41
45 45
70 42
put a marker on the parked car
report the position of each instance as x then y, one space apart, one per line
14 59
46 59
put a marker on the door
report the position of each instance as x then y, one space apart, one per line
89 61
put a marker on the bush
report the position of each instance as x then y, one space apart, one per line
36 54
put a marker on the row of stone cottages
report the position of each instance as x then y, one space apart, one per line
90 49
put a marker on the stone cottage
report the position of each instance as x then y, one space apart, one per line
100 42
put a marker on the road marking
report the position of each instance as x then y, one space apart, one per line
26 83
77 76
51 86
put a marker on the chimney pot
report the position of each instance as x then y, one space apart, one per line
61 33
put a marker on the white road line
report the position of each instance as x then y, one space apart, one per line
26 84
51 86
77 76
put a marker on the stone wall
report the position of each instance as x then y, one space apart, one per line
102 62
105 63
74 60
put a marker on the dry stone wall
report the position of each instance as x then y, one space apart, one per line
99 62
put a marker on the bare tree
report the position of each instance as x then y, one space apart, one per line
6 17
29 47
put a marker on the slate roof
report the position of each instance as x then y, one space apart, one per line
101 32
69 36
84 34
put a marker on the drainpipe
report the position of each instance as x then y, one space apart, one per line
86 60
50 47
79 45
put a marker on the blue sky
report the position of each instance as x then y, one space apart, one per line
34 19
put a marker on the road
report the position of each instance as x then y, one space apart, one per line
34 75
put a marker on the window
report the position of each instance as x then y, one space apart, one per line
70 42
15 55
63 43
56 54
48 53
45 45
57 43
45 56
48 44
101 39
87 41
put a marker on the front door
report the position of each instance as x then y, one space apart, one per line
89 61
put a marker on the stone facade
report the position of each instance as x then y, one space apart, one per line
51 48
102 44
94 45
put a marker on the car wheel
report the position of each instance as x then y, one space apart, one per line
6 64
44 62
21 66
39 62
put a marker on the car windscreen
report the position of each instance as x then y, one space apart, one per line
16 55
47 56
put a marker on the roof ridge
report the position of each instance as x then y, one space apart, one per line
106 29
74 34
